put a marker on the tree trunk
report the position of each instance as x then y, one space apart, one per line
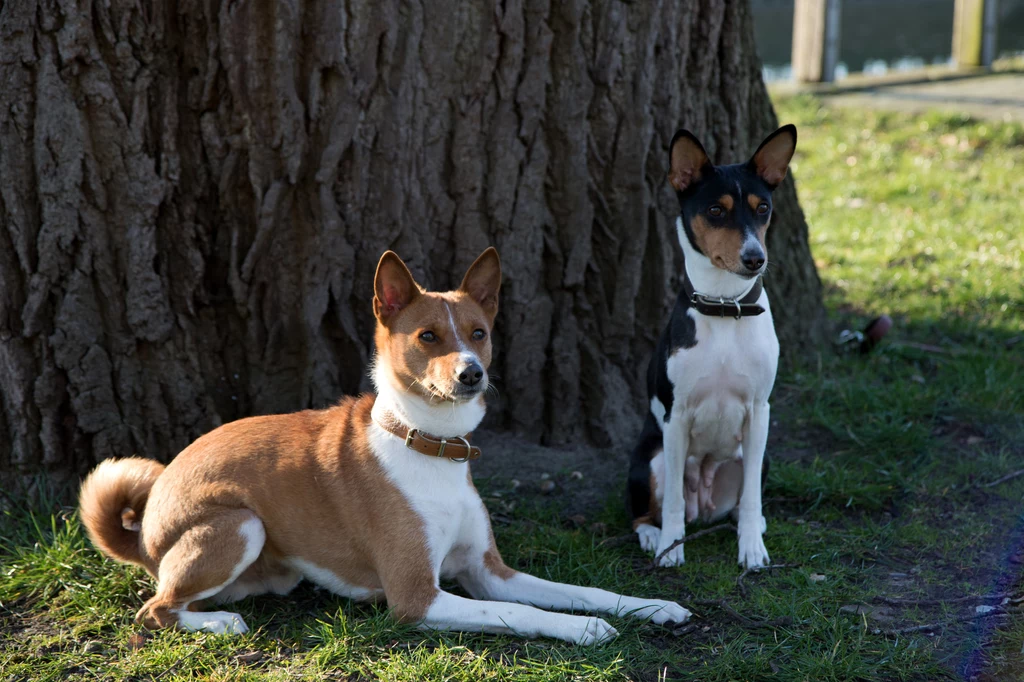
194 195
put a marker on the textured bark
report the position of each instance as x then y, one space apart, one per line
194 194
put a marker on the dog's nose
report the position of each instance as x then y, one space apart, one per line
752 261
471 375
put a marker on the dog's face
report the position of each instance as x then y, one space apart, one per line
436 344
726 209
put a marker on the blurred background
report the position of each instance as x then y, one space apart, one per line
880 36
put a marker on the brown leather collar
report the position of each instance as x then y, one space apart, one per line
725 307
456 449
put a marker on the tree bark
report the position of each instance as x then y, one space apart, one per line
194 195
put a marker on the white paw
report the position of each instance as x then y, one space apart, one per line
660 611
649 536
753 553
674 557
217 622
764 526
594 631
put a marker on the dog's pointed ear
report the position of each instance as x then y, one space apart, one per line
772 158
483 281
393 286
686 160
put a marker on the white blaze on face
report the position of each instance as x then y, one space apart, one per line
752 245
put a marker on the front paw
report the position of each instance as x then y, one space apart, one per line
593 631
673 557
660 611
753 553
649 536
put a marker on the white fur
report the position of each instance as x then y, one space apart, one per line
217 622
457 531
330 581
720 400
450 612
224 622
438 418
658 410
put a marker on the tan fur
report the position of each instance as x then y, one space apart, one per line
773 156
427 368
726 201
722 246
309 480
687 158
754 201
652 517
112 501
313 482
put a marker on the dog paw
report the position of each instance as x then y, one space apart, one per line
660 611
649 536
753 553
673 557
594 631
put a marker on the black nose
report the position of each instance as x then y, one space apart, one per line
753 262
472 375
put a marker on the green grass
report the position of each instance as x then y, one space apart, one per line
878 458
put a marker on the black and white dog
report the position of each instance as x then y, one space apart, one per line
702 446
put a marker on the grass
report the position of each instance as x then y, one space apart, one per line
878 460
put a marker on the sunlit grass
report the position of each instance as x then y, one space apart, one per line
879 459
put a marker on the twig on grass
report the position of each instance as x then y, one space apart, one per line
687 538
942 623
685 630
741 619
903 601
757 569
1004 479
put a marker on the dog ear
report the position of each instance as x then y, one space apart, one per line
483 280
393 286
772 158
686 159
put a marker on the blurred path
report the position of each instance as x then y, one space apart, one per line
999 96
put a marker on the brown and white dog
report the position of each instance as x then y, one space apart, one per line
350 497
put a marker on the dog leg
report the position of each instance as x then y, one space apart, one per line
499 582
750 524
673 513
205 560
450 612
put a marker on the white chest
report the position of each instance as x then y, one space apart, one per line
437 489
716 382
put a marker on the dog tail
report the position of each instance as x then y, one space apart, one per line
111 503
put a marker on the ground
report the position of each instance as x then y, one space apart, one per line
884 508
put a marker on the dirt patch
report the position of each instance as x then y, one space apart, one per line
577 478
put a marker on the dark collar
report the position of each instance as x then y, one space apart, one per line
456 449
724 307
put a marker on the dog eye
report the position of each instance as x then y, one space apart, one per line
428 337
762 208
479 335
716 211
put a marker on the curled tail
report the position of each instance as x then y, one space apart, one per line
112 501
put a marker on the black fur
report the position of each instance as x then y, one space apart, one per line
697 198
